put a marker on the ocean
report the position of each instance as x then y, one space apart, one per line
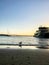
24 39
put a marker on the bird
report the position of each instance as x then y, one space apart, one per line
20 44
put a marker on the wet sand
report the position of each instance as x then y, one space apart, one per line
24 56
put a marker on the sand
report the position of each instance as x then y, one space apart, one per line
24 56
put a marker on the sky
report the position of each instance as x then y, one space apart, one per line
23 17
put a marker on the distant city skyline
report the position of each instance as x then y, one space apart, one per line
23 17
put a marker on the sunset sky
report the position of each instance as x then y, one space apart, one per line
23 17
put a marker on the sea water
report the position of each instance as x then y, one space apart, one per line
17 39
23 39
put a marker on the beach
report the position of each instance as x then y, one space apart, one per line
24 56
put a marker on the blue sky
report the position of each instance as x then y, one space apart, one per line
23 16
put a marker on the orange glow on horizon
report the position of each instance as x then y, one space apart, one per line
20 33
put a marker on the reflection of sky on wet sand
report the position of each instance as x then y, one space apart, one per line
29 47
17 47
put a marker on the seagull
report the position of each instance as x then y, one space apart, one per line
20 44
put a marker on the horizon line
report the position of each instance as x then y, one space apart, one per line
15 34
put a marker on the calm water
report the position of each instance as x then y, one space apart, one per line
17 39
25 40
